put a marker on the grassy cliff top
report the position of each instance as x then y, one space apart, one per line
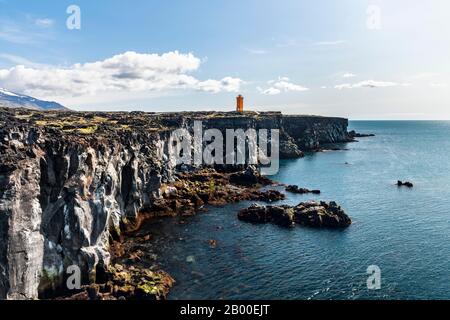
89 123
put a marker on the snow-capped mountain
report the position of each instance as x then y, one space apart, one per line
10 99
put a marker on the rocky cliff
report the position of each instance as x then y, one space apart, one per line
69 181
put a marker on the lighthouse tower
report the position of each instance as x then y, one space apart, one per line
240 104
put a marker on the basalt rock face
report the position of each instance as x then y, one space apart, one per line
310 132
298 133
63 195
70 180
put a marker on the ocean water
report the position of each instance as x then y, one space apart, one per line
405 232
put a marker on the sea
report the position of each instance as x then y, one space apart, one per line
401 234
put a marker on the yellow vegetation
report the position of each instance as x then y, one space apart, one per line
88 130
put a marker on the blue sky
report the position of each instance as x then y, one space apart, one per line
359 59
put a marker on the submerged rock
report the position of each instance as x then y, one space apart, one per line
212 243
190 259
312 214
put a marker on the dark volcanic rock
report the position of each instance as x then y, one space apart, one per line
256 214
312 214
127 282
406 184
288 148
249 177
355 134
321 214
280 215
267 196
296 189
207 186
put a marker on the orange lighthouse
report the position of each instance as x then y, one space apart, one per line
240 104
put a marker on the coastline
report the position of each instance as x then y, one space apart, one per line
103 168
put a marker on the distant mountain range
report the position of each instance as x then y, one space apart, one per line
10 99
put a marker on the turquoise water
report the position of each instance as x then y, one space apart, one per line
406 232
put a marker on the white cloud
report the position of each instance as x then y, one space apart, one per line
227 84
287 86
329 43
348 75
270 91
44 23
285 79
370 84
283 84
129 71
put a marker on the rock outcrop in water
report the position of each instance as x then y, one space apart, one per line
405 184
71 181
296 189
355 134
311 214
